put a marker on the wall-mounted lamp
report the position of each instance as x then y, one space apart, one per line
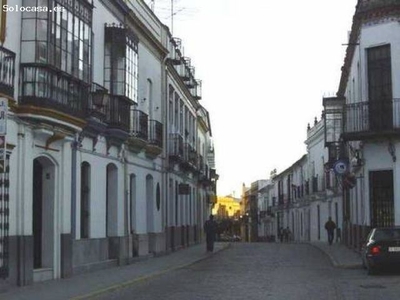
100 98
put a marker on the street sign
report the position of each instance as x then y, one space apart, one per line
340 167
3 116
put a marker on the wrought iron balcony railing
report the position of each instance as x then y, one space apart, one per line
117 112
139 125
364 119
175 146
190 155
46 87
201 164
7 71
155 133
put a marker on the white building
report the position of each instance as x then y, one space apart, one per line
90 180
370 91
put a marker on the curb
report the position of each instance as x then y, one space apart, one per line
128 283
335 263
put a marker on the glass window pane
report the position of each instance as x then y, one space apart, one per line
28 89
28 32
70 22
41 30
63 39
27 52
58 36
69 42
63 60
41 52
69 62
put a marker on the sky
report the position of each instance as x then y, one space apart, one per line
265 67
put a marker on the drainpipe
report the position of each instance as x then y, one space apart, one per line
164 172
74 146
124 160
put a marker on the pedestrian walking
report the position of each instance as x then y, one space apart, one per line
287 234
330 228
280 234
210 228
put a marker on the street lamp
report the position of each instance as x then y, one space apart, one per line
99 100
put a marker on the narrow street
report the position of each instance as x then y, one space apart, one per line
264 271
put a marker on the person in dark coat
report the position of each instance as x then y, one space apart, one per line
210 228
330 228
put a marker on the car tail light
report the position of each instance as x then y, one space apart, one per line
375 250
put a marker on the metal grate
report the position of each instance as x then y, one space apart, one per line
382 198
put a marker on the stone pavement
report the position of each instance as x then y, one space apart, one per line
92 284
340 255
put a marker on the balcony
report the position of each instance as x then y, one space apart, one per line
371 120
117 112
52 94
139 130
139 127
175 147
95 108
204 178
196 90
155 140
189 162
176 58
117 119
7 71
201 164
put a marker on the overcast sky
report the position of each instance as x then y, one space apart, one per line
265 66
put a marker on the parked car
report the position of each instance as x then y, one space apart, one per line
381 249
229 238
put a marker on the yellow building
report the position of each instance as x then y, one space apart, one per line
227 207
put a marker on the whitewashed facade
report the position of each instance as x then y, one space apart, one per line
370 87
90 178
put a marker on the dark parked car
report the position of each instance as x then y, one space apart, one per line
381 249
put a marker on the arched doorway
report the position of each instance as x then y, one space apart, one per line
43 227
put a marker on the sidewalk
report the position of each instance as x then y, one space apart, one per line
91 284
340 255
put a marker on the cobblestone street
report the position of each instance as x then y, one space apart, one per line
265 271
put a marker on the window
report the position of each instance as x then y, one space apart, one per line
380 88
176 111
61 38
121 61
379 73
171 105
181 108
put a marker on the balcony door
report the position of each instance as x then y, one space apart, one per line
380 88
